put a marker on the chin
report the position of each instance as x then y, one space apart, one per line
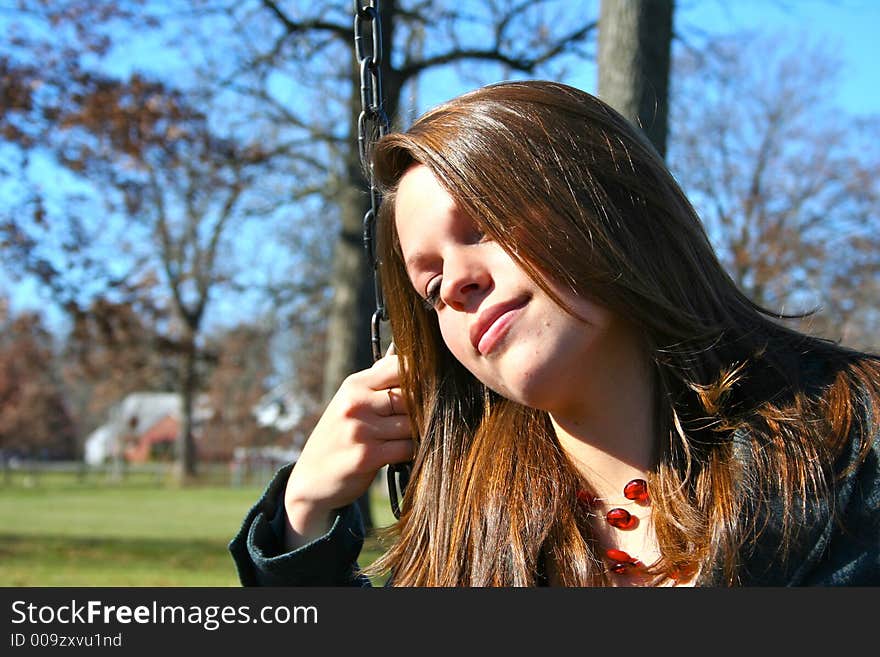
535 387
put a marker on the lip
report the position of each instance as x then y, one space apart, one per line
492 322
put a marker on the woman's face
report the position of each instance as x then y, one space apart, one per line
493 317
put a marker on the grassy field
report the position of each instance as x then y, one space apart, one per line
60 531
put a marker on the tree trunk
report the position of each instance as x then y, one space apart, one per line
188 382
348 332
635 39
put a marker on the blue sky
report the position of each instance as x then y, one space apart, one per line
850 27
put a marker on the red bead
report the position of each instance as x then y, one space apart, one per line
586 498
618 555
636 490
621 518
621 561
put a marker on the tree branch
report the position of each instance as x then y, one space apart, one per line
524 64
293 27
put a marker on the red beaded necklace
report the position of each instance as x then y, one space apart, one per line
619 518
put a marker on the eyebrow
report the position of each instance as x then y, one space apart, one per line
416 260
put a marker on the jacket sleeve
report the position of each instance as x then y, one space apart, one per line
329 560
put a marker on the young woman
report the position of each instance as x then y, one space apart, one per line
587 398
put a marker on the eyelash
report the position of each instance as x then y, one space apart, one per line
433 296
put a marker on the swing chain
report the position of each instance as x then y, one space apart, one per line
372 123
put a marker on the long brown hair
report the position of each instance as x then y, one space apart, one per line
747 410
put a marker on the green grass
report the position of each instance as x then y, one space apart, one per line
78 561
60 531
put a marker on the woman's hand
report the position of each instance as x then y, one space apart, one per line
365 426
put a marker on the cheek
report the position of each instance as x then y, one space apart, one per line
455 336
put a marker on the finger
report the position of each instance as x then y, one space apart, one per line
385 373
394 428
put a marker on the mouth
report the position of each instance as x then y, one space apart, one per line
493 324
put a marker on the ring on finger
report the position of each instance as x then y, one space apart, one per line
390 401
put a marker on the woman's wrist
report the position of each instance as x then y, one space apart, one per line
305 522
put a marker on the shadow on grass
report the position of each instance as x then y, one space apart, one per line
128 562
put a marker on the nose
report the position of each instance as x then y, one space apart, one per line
466 280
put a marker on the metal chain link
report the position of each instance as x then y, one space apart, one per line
372 124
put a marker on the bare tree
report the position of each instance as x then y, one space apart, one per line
182 194
191 190
786 183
